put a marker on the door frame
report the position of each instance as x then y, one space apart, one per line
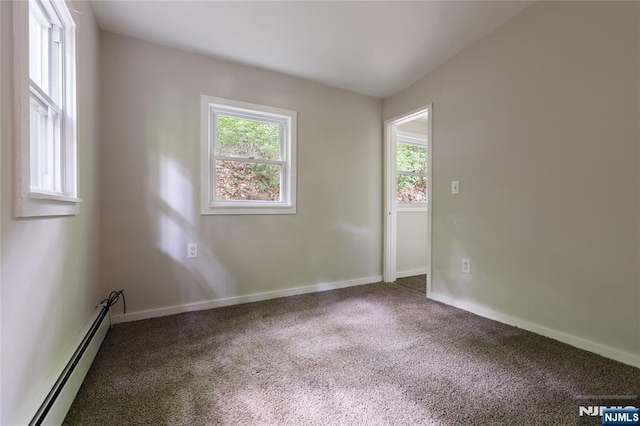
390 206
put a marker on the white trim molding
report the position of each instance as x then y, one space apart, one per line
29 203
578 342
411 273
391 207
59 410
212 107
238 300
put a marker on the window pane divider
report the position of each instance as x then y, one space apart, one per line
46 99
426 175
248 160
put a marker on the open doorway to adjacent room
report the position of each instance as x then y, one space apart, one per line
408 205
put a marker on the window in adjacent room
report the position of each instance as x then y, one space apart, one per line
248 158
46 101
412 173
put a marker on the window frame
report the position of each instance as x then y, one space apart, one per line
30 201
211 107
408 138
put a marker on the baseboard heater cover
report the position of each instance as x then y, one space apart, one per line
58 401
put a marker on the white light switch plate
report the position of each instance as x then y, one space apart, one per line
466 266
455 186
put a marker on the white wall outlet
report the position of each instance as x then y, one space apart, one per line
192 251
466 266
455 186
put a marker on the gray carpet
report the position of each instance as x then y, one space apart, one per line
416 282
374 354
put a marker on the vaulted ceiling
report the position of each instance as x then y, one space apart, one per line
374 48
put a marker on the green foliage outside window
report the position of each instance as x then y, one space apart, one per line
245 138
252 139
411 158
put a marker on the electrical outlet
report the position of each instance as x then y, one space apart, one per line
192 251
455 187
466 266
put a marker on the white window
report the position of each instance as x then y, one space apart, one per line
248 158
45 96
412 173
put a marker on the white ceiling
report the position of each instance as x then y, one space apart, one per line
374 48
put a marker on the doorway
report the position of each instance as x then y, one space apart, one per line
408 201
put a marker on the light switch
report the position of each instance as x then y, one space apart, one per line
466 266
455 186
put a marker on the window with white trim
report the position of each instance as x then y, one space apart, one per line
45 96
412 173
248 158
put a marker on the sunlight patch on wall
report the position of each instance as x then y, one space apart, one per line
175 226
173 178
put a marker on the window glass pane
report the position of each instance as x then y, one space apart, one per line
411 189
238 137
412 158
39 42
46 159
237 181
38 135
55 65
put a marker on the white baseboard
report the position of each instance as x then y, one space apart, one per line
237 300
64 400
578 342
411 273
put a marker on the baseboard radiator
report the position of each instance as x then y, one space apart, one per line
57 403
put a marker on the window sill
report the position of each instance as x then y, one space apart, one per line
54 197
233 209
38 204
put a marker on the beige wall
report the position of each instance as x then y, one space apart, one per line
49 266
150 177
539 122
411 243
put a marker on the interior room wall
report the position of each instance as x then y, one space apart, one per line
411 243
411 231
539 123
49 266
151 187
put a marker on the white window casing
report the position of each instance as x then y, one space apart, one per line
214 107
408 138
45 104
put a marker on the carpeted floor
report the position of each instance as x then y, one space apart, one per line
416 282
373 354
